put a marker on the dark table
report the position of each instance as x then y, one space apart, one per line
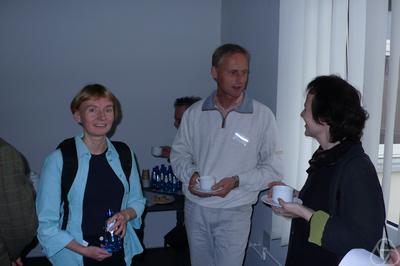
176 238
177 205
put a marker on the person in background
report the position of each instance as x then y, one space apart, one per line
18 221
100 184
180 105
234 138
343 205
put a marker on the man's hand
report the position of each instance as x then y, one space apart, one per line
165 151
224 186
193 182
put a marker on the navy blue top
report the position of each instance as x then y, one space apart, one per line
103 191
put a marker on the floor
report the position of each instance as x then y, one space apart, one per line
151 257
163 256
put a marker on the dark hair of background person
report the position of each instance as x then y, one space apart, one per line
338 103
226 49
186 101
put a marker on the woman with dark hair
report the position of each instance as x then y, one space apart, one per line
343 205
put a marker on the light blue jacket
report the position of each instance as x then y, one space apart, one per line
51 237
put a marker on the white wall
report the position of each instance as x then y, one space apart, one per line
147 52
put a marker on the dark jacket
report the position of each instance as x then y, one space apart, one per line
18 220
354 203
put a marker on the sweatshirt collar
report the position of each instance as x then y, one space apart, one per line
245 107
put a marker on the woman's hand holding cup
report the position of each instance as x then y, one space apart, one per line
282 192
283 195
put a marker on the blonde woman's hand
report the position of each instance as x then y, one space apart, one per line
96 253
120 220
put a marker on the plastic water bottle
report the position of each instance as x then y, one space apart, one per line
170 174
112 242
154 176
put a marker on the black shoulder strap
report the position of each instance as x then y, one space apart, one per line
125 157
70 167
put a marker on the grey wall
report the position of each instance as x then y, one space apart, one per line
255 25
147 52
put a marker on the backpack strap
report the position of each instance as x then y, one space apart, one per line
69 169
125 157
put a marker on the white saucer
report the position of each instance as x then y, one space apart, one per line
269 201
197 188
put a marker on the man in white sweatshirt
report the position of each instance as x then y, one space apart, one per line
234 138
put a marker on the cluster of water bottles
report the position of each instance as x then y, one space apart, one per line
163 179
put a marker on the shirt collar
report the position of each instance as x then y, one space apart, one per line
231 108
82 149
245 107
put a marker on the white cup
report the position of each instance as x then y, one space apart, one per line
206 182
282 192
156 151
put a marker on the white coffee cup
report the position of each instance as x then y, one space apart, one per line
206 182
156 151
282 192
